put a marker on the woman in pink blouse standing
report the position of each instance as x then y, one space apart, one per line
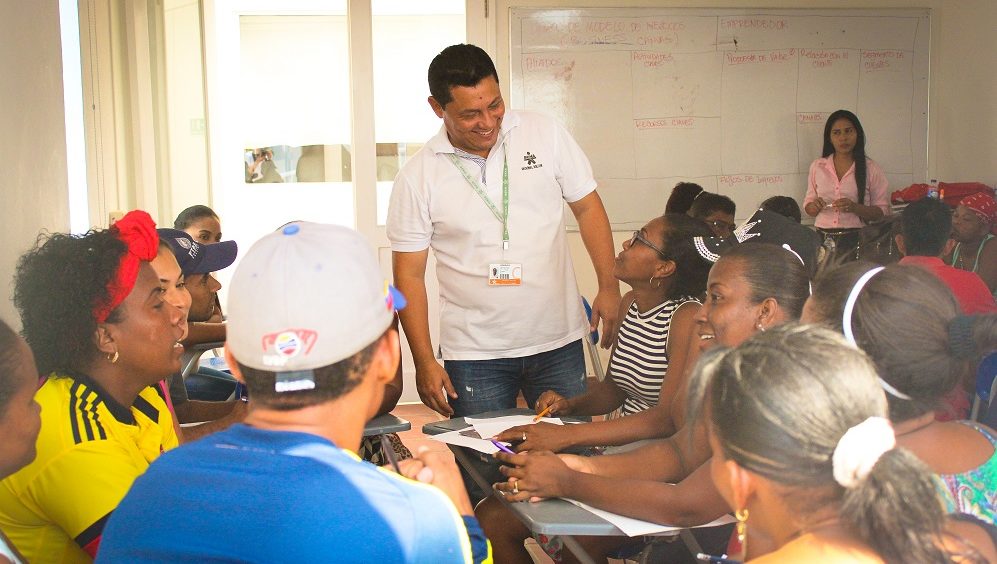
845 189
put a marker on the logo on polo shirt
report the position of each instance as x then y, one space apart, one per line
531 161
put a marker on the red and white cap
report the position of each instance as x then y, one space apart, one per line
307 296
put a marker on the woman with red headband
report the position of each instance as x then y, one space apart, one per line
103 336
973 223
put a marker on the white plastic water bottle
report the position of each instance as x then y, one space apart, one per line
933 189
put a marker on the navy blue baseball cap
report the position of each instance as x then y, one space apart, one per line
197 258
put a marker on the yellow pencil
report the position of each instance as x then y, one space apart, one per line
543 413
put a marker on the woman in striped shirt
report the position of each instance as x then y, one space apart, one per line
667 279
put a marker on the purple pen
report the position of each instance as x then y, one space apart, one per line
501 446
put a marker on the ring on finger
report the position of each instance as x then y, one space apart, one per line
524 436
515 487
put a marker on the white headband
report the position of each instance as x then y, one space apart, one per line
859 449
797 255
846 324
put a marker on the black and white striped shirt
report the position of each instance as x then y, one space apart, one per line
640 361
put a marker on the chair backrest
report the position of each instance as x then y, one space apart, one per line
986 382
192 354
590 344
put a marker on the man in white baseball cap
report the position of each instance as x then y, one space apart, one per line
310 333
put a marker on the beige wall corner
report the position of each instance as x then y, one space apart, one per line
33 185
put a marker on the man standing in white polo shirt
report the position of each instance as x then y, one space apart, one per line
487 195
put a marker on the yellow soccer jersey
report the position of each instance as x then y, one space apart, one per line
90 450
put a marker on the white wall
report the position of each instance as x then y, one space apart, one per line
962 121
33 189
188 166
963 102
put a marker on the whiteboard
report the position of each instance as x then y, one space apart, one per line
734 100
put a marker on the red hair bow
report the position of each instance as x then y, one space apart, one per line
138 232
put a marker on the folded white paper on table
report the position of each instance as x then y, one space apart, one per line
495 425
455 438
635 527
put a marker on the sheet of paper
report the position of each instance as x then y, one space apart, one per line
635 527
495 425
455 438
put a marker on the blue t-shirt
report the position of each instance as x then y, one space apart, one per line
251 495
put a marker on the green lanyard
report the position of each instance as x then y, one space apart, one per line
502 216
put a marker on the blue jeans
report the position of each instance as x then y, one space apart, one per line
489 385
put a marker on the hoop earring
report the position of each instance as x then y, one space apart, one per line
650 282
113 358
742 528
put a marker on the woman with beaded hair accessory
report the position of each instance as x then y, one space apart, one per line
648 363
751 288
805 456
909 323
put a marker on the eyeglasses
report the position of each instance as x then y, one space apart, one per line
638 237
721 226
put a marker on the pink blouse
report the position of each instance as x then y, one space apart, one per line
823 182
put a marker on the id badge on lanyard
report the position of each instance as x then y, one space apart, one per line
499 273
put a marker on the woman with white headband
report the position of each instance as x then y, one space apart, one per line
908 322
805 456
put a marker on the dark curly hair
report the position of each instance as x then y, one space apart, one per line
56 285
10 360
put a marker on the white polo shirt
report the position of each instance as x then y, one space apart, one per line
432 205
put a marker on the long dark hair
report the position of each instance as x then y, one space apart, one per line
779 404
858 152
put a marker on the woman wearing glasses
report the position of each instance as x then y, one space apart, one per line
648 361
667 277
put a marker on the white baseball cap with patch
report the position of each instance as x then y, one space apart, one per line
304 297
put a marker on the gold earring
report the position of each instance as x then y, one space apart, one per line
112 358
742 529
